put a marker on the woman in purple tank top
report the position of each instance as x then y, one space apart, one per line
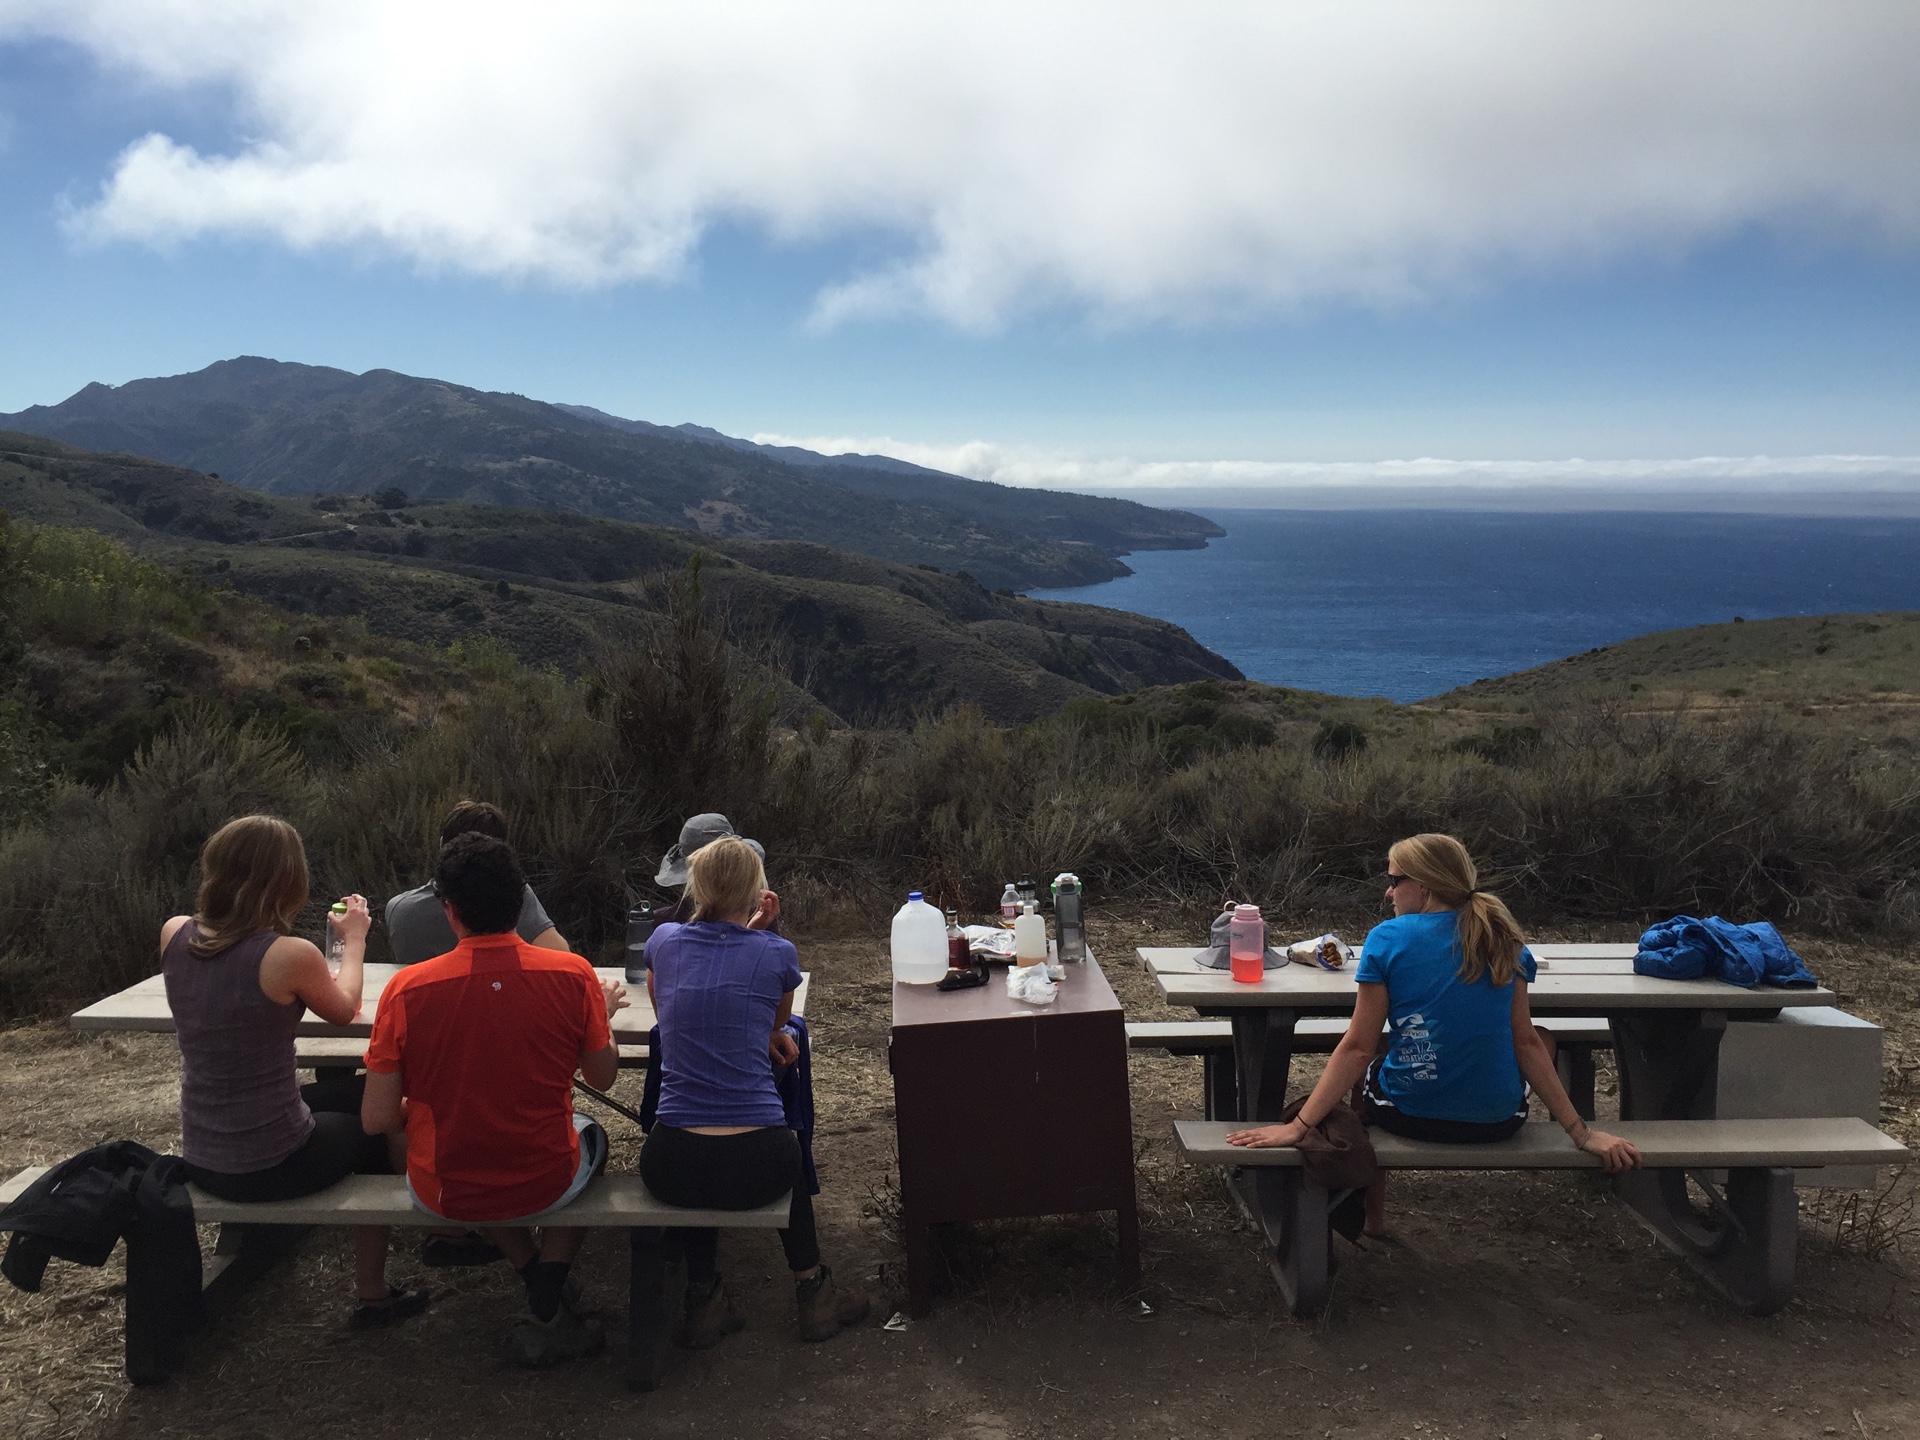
237 983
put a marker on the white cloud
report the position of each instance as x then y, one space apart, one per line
1754 475
1122 159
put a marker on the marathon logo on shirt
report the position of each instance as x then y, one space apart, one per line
1416 1049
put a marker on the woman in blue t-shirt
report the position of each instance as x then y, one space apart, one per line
1447 978
720 1141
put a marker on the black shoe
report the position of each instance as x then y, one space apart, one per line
446 1252
399 1305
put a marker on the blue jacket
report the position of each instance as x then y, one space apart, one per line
1685 948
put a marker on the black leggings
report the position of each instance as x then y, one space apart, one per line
338 1147
731 1172
1377 1109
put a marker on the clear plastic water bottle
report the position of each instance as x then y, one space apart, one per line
1247 944
1009 904
919 943
336 942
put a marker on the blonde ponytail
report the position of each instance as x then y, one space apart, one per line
1490 938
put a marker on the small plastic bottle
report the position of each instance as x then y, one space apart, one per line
959 957
336 942
1009 904
1029 937
1247 944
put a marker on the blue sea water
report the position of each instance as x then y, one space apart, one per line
1408 603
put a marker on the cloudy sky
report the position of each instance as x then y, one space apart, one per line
1110 244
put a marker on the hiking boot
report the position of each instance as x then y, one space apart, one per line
399 1305
826 1307
709 1319
535 1344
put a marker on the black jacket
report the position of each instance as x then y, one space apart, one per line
79 1209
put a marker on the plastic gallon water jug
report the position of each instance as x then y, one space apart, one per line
919 943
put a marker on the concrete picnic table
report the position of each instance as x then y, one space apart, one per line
143 1006
1666 1040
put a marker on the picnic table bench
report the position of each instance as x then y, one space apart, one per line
254 1235
1746 1245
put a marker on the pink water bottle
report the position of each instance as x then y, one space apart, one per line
1247 944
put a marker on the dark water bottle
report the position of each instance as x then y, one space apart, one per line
639 931
1070 931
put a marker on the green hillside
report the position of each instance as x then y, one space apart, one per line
1808 661
872 641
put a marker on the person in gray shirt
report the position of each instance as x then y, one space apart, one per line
417 925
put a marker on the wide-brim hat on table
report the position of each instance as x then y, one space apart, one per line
1216 956
700 830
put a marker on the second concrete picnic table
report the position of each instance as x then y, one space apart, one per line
1666 1038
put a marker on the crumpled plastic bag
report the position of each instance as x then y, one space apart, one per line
1329 952
993 942
1032 984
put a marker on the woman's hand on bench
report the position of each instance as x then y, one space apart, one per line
1615 1154
1269 1137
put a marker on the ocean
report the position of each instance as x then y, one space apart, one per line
1409 603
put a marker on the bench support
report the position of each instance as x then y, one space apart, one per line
1291 1213
1745 1245
651 1304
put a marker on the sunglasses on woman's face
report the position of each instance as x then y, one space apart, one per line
1394 881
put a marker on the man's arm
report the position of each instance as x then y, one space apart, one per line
551 939
601 1067
383 1110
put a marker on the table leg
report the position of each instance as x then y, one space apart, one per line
649 1308
1575 1064
1262 1055
1222 1085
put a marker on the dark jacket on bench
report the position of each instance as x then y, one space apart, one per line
82 1207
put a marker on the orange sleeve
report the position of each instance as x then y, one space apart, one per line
389 1031
599 1032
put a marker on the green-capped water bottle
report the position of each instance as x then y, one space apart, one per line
336 942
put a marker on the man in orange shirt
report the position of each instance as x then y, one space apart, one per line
472 1057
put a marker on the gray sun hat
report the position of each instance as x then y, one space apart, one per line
1216 956
700 830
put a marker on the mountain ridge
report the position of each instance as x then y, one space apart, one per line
291 429
873 641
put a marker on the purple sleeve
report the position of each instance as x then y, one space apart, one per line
787 965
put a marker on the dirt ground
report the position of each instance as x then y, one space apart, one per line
1507 1305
